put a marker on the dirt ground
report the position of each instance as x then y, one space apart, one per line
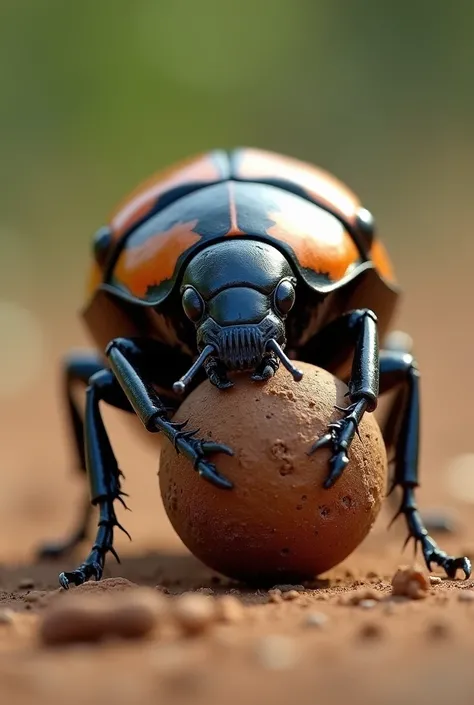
389 651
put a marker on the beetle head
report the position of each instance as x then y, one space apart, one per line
238 294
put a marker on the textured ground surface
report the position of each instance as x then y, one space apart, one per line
388 652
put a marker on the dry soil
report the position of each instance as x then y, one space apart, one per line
313 648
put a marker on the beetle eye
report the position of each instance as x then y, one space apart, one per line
193 305
285 297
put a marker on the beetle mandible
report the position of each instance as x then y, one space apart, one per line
238 260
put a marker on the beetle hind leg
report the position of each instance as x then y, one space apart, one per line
104 476
78 368
399 369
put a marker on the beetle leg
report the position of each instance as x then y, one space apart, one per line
104 476
127 362
78 368
399 341
338 438
363 392
399 369
267 368
217 373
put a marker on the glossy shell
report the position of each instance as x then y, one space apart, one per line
305 212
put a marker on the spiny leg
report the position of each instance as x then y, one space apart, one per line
398 368
399 341
133 368
104 475
129 386
78 368
361 325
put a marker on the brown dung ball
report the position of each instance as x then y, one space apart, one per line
278 522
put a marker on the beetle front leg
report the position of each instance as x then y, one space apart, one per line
363 392
127 361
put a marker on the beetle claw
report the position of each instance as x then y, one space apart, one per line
339 437
196 450
323 442
211 447
64 580
338 465
449 564
77 577
208 472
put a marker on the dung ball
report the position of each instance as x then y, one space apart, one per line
278 523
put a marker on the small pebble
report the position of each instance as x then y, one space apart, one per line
276 653
275 595
6 616
80 617
367 604
435 580
316 619
466 596
194 613
291 595
73 620
26 584
136 614
410 582
229 609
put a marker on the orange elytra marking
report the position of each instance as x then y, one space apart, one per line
154 260
379 256
319 184
319 244
234 227
136 205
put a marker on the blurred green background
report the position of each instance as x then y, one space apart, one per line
96 96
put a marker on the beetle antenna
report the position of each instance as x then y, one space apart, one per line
179 387
274 347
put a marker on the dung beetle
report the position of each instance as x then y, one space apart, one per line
238 260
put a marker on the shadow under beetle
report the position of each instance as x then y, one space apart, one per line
221 263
